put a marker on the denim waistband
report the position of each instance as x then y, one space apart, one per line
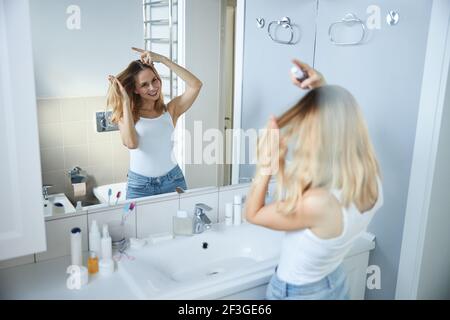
330 281
173 173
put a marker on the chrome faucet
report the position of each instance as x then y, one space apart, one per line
201 221
45 188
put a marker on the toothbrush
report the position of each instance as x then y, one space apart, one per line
109 196
117 197
127 210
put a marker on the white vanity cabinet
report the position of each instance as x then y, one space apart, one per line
22 229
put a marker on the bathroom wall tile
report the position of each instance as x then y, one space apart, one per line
52 159
49 111
73 109
121 160
120 152
120 171
115 136
50 135
17 261
97 137
76 156
75 133
112 219
94 104
210 199
57 179
100 154
101 175
58 237
155 217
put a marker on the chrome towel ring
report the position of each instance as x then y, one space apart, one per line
285 22
350 19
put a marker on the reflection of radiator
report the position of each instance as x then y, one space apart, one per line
161 36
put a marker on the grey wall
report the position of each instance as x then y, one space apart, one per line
76 63
384 74
266 84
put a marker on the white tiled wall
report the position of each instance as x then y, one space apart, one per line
68 138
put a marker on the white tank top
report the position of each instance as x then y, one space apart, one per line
153 156
306 258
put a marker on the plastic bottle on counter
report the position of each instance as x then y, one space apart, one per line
237 210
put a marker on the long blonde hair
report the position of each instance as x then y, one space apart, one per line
128 80
331 149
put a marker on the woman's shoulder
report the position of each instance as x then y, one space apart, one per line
319 201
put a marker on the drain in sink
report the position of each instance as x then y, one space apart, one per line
215 271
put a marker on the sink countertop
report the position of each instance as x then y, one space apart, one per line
47 281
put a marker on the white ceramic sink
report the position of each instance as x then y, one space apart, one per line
57 204
176 267
217 263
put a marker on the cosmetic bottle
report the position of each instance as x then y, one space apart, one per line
92 263
106 264
94 239
75 247
237 210
106 243
229 214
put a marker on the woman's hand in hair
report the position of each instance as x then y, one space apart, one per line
114 81
148 57
271 150
314 78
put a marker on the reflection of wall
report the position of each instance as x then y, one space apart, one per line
202 56
68 138
75 63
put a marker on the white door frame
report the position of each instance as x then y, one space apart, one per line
22 216
238 81
434 84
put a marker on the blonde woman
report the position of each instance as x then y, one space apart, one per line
326 194
146 123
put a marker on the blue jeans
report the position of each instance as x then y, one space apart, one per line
141 186
332 287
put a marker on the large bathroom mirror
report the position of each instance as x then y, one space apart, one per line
78 43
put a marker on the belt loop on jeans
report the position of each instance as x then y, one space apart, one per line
330 281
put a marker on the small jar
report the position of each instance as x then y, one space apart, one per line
92 263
